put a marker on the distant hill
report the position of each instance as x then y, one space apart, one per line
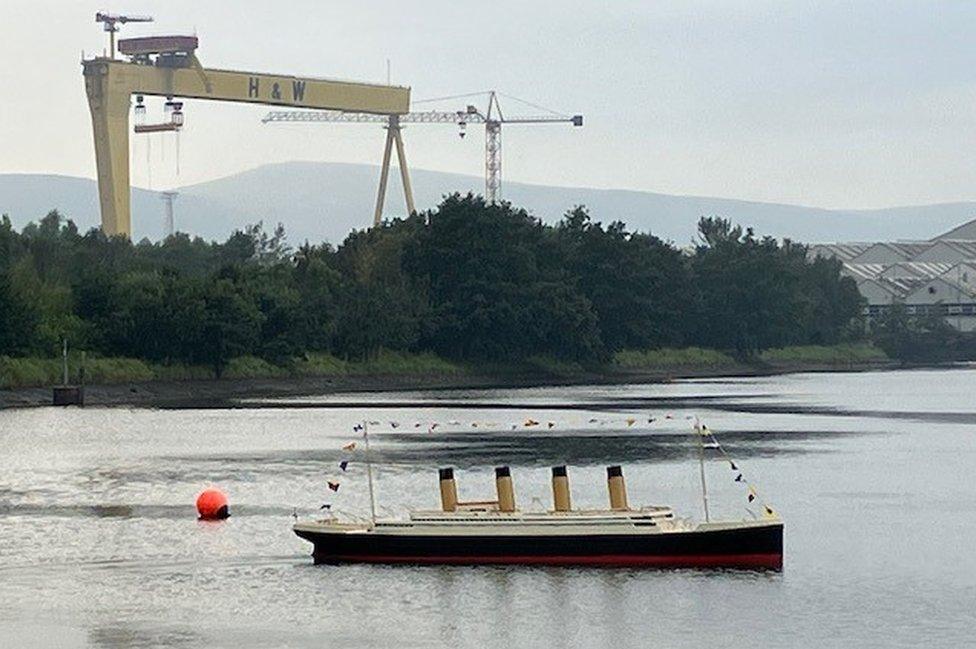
324 201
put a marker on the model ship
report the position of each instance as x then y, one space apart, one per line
497 532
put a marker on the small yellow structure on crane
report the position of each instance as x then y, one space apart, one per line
167 66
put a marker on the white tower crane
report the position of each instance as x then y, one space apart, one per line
492 118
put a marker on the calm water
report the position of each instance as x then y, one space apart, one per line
874 474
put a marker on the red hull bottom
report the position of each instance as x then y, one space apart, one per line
763 561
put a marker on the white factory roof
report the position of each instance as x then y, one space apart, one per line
965 232
862 271
885 291
898 270
942 269
948 250
890 252
964 270
841 251
901 285
915 269
940 289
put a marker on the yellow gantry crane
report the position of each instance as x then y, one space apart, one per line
167 66
492 118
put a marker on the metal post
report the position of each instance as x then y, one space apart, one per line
701 467
369 474
169 222
402 158
64 361
384 172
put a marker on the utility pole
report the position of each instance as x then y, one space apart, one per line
169 223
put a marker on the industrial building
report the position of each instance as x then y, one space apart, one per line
937 276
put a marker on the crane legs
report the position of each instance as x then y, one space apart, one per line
393 136
110 124
404 173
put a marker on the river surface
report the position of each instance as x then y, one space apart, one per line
873 473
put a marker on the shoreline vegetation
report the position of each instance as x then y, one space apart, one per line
127 381
43 372
468 294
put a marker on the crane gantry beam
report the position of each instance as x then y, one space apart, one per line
168 67
423 117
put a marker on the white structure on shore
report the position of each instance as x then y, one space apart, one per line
929 277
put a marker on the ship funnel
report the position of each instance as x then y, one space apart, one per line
449 499
560 489
506 491
617 487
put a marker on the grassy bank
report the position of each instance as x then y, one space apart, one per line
839 355
697 359
38 372
665 360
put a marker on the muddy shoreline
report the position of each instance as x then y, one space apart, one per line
227 393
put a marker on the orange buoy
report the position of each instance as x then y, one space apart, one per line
212 505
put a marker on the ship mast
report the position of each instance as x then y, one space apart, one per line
701 467
369 474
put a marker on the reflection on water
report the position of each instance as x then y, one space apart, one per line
99 545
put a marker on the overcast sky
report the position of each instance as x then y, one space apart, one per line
832 104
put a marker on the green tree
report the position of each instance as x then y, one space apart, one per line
231 326
484 267
638 285
748 290
18 320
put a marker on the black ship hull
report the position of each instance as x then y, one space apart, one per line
757 546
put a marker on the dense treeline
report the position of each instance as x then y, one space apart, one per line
926 338
467 280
